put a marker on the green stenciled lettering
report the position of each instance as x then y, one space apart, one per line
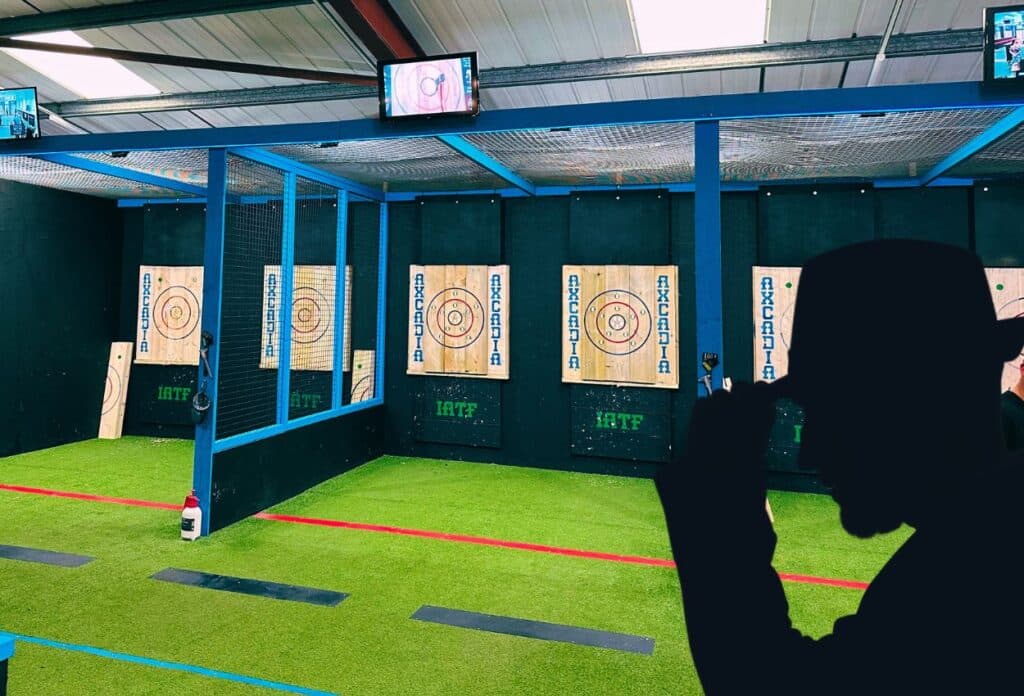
797 431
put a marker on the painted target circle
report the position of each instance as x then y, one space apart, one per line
363 389
455 318
432 87
1011 310
310 321
112 390
618 322
176 312
786 326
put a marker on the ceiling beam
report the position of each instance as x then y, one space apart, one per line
770 55
132 13
997 130
471 151
190 62
135 175
378 26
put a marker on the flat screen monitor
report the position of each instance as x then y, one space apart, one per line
1004 45
19 114
429 87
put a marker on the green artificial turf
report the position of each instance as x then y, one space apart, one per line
368 644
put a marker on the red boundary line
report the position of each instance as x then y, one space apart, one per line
87 496
426 534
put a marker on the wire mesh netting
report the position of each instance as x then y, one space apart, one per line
186 166
408 164
314 295
250 310
849 146
1003 158
40 172
610 155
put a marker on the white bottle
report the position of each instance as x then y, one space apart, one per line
191 518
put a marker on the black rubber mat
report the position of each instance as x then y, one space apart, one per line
23 553
258 588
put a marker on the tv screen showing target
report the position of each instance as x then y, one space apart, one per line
19 114
428 87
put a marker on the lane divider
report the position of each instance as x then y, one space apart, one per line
166 664
427 534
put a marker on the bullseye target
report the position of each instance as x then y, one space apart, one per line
176 313
170 315
458 321
312 318
620 325
115 391
774 297
1007 288
455 318
618 322
428 88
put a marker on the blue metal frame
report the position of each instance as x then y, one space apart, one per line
888 99
284 352
991 134
309 172
708 245
213 273
122 173
471 151
382 298
340 292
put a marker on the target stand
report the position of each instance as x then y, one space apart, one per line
774 305
620 325
312 318
170 309
115 392
458 321
1007 288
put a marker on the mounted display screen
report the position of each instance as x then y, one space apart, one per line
19 114
427 87
1004 45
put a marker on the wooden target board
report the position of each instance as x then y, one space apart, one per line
458 321
363 374
774 302
620 325
312 318
1007 287
115 392
170 308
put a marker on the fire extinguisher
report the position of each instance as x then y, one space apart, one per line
191 518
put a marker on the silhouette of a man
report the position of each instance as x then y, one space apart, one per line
896 358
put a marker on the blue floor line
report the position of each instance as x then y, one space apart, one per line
163 664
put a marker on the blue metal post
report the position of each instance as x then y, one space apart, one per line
284 353
213 272
708 246
340 291
382 298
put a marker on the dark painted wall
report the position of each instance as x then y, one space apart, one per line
253 477
60 282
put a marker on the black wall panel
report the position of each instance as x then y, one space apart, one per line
61 283
998 238
930 214
797 223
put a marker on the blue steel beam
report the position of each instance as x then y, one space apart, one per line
975 145
707 245
284 352
467 149
122 173
888 99
309 172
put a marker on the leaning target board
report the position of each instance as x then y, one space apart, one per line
363 374
312 318
619 325
170 305
458 321
774 302
115 392
1007 288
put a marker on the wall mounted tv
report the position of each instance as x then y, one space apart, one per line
19 114
1004 45
429 87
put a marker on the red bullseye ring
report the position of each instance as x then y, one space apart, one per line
617 311
455 318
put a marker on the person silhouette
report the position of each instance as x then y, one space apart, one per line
896 357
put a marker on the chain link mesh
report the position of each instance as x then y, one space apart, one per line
39 172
